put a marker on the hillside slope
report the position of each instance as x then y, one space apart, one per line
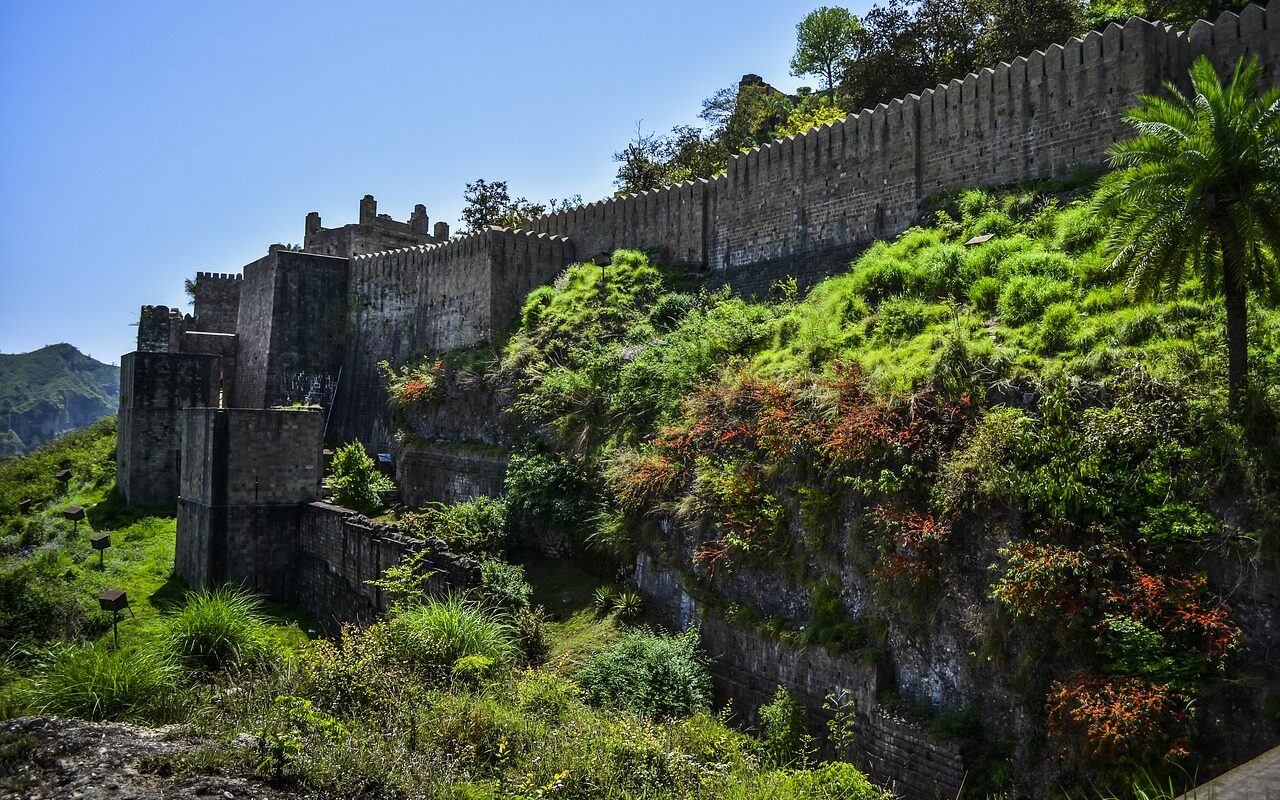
971 476
50 391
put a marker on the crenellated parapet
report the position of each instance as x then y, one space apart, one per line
373 233
806 204
410 301
160 329
216 301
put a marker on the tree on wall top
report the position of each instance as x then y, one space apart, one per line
1197 195
825 40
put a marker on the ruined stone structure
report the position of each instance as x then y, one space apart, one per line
310 328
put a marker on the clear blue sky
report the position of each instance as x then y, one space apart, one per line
141 142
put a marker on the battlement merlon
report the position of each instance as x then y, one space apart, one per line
373 233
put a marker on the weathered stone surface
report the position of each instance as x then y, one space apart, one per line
65 758
442 473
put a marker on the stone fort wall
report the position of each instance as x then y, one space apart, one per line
809 202
432 299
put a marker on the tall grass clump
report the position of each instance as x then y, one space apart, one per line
1025 297
132 684
435 636
216 629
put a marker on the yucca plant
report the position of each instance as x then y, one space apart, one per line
628 605
605 597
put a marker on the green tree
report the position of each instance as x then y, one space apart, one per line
825 40
490 203
1197 194
1013 28
355 481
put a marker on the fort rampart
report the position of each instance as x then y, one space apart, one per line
809 202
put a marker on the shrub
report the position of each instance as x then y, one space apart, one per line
131 684
903 318
529 626
1078 228
37 604
670 309
651 673
355 480
1116 720
348 674
546 489
505 583
1025 297
545 695
939 272
1038 262
413 383
784 740
1045 582
433 636
993 222
216 629
475 526
879 275
292 724
831 780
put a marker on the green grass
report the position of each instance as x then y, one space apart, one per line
130 684
217 629
50 576
577 629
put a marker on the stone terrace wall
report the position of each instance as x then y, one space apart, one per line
805 205
429 473
431 299
339 552
748 668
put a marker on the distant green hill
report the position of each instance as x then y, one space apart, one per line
50 391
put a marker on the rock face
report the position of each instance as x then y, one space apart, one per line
50 391
48 757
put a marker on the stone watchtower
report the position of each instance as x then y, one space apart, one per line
373 233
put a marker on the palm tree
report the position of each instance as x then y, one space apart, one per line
1197 194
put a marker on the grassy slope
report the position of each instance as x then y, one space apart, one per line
50 572
576 630
649 395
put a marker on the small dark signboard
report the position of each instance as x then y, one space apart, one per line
24 507
114 600
63 475
100 542
75 514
